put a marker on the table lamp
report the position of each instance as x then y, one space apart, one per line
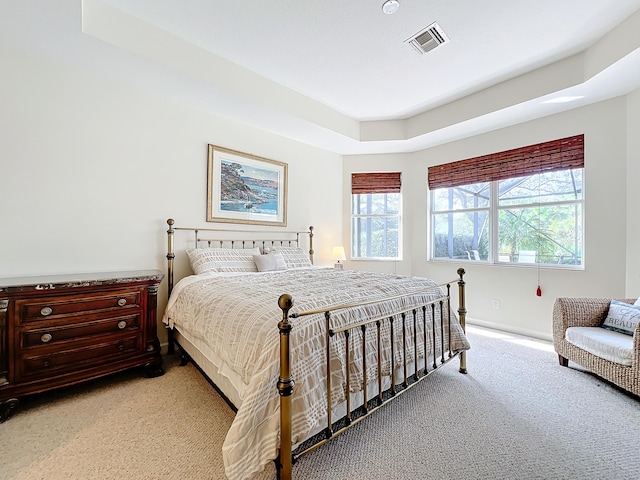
338 254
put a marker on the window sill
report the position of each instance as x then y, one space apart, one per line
508 264
375 259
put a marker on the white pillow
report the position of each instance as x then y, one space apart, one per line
269 263
637 302
222 260
294 257
622 317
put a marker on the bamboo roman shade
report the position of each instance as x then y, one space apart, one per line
561 154
378 182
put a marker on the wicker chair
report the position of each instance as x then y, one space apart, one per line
590 312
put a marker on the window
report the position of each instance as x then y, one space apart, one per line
375 215
528 208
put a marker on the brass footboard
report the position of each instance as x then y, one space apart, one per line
425 313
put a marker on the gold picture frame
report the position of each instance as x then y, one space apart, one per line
245 188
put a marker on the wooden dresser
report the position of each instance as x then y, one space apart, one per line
65 329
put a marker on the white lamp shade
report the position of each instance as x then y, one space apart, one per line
338 254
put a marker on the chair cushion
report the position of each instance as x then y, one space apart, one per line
613 346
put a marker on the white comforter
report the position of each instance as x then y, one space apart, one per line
238 314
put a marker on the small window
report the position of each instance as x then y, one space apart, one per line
460 222
375 215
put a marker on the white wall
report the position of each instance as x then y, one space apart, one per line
90 171
633 195
604 127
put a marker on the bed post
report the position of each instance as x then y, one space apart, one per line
285 388
462 313
311 243
170 256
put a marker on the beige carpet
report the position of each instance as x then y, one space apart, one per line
516 415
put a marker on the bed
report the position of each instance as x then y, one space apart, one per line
301 352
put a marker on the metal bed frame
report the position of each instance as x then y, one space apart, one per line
425 312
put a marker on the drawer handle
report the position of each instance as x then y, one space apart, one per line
46 338
46 363
121 347
122 324
46 311
122 302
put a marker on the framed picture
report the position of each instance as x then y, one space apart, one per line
245 188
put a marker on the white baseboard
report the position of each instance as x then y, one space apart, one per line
506 328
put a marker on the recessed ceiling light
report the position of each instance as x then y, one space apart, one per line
390 6
564 99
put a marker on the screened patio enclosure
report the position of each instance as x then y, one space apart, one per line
532 219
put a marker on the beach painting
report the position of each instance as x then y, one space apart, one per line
245 188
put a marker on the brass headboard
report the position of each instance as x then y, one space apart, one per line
224 240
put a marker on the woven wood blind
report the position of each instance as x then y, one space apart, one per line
378 182
561 154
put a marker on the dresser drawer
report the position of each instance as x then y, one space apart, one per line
67 360
39 337
37 309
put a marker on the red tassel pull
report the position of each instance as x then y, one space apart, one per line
539 291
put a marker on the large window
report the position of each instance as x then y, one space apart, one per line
375 215
511 217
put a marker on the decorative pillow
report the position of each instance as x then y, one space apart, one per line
269 263
622 317
222 260
294 257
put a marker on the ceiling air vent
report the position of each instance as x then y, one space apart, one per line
428 38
